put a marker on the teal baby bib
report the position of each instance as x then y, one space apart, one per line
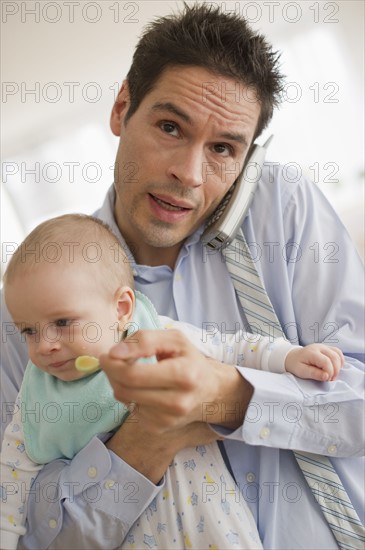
60 418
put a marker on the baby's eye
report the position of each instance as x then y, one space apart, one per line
63 322
28 331
169 128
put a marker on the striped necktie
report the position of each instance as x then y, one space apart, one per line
318 471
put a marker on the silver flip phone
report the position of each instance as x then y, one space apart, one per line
223 225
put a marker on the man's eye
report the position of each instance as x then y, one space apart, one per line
63 322
169 128
223 149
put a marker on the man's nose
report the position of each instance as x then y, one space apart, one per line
187 166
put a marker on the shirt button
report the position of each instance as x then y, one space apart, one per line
109 484
332 449
250 477
52 523
265 432
92 471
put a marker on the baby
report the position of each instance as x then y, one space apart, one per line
69 289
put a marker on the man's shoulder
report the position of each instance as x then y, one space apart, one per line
283 177
279 183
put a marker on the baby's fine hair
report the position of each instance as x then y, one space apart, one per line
72 238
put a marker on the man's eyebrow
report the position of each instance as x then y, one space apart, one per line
171 108
233 136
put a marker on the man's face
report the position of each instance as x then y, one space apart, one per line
178 155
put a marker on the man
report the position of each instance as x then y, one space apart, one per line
187 139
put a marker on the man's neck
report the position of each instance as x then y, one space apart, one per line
152 256
145 254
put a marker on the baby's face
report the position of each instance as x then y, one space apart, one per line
62 313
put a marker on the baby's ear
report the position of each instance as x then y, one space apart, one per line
125 302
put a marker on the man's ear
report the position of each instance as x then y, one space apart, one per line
125 303
120 108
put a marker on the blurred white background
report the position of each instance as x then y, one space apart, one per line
62 64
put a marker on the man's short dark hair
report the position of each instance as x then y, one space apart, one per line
204 36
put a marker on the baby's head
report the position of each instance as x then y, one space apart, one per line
69 290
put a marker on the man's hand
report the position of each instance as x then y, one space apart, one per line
316 362
183 387
151 454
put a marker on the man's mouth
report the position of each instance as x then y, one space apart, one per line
168 205
169 209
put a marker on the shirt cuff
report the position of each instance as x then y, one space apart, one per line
271 417
120 490
96 488
289 413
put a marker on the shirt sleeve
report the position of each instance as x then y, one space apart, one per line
286 412
289 413
88 502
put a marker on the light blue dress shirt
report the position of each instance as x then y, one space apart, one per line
314 278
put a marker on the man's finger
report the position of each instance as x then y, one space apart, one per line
146 343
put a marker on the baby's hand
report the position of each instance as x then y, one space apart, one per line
316 362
